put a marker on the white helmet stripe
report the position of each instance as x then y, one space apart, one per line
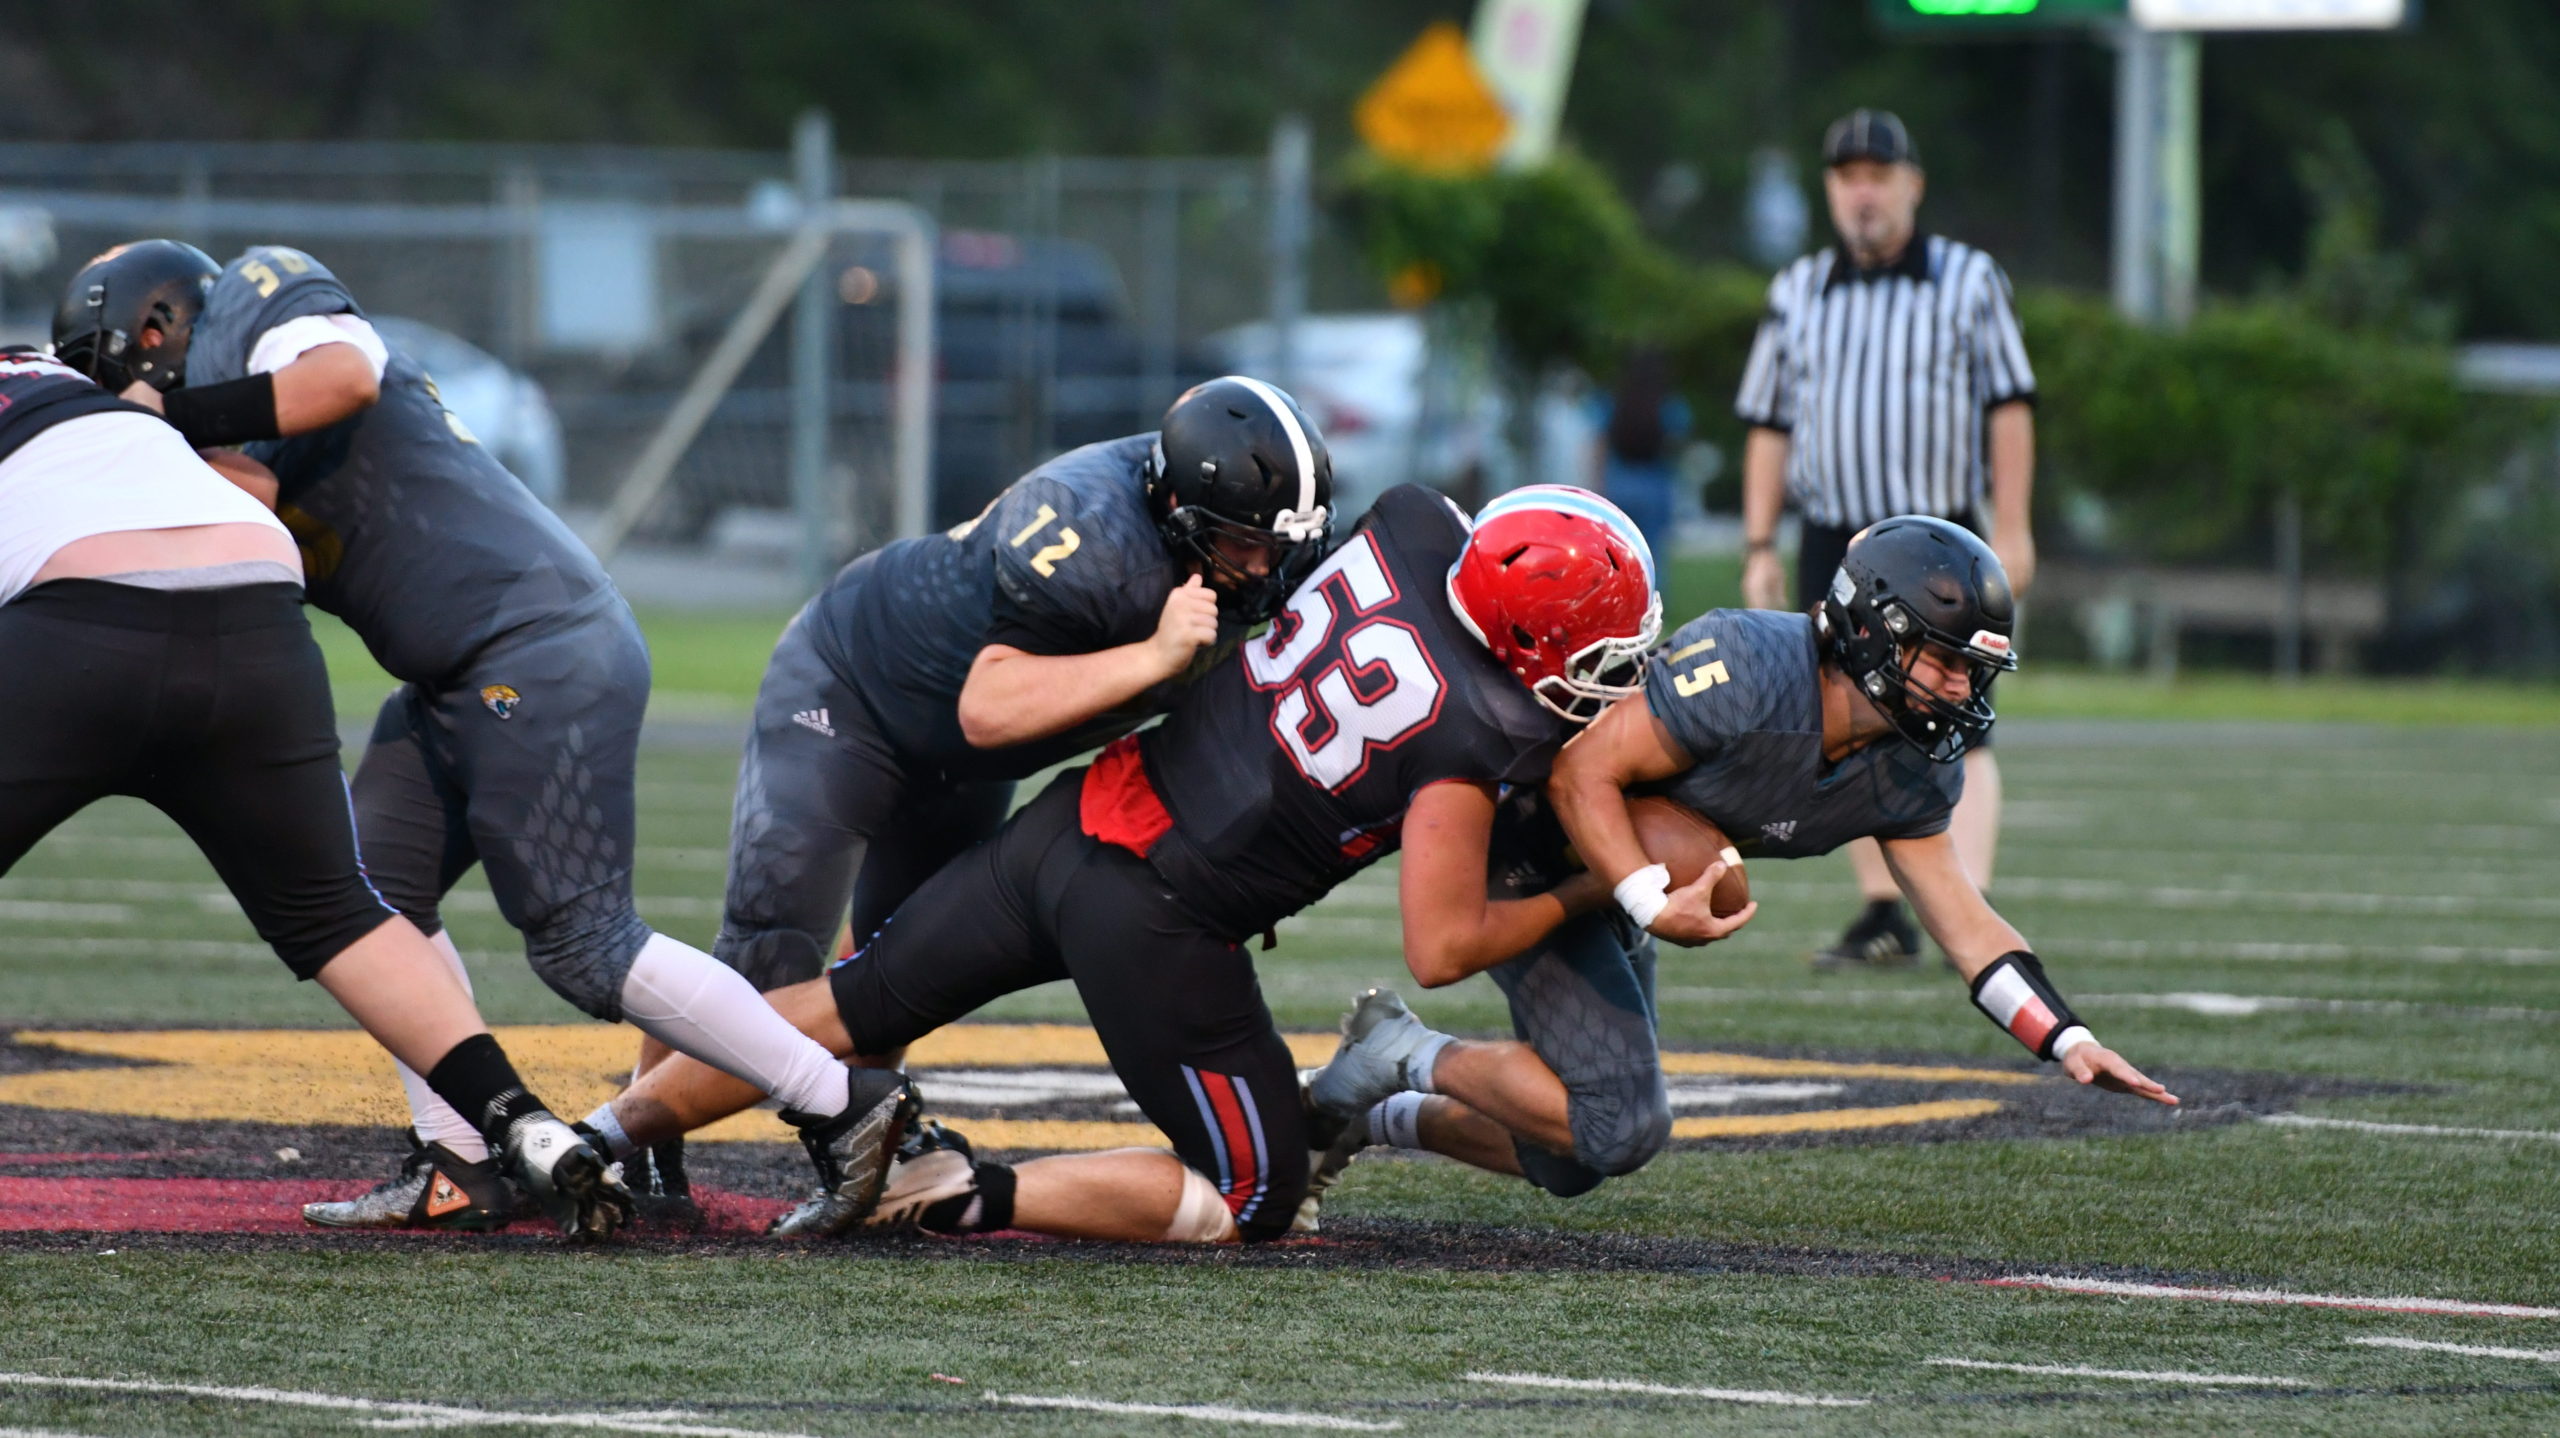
1299 449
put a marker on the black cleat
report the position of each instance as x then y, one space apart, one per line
1881 937
572 1182
852 1151
435 1188
664 1195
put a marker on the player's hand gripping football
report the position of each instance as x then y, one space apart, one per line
1689 917
1190 621
2095 1063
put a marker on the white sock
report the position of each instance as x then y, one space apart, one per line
1418 1069
1396 1121
697 1005
435 1120
608 1127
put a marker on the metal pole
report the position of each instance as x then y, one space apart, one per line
1161 245
2289 615
1292 148
912 391
2136 287
813 165
2178 173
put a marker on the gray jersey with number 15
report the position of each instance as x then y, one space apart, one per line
1740 689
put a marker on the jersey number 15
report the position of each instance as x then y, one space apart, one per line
1352 681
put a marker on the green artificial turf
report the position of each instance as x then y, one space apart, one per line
2393 883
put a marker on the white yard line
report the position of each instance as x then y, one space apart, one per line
2116 1288
1664 1390
425 1415
2421 1130
2297 953
2241 1006
2246 898
2129 1375
2467 1350
1206 1412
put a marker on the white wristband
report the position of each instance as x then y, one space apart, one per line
2071 1038
1644 893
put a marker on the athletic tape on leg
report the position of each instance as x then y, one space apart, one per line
1202 1215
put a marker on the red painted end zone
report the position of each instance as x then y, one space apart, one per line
244 1205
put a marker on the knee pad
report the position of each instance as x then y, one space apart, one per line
1554 1173
771 958
586 963
1619 1130
1201 1216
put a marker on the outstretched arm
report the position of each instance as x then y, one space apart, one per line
1451 928
2008 982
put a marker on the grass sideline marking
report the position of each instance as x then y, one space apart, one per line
420 1415
2468 1350
1664 1390
2130 1375
1208 1412
2116 1288
2426 1130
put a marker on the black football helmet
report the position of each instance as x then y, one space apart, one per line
1237 466
1912 581
153 284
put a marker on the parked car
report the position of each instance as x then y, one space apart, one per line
503 408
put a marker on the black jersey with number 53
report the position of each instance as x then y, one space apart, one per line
1289 768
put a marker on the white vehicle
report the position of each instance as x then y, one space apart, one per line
503 408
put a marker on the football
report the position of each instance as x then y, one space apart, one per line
1685 841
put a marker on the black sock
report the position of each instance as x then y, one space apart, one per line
476 1078
984 1209
1880 916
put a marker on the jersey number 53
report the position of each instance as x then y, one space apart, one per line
1352 681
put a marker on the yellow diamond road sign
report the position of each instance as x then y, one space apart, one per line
1433 109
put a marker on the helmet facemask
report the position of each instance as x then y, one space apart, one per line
1941 728
1600 673
1295 545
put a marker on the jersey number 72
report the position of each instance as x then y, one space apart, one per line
1351 681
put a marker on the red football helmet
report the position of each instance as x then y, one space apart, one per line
1559 584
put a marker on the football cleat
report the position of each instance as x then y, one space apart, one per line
435 1188
656 1177
853 1151
935 1166
1339 1141
570 1180
1881 937
1379 1036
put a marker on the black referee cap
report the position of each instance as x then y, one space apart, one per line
1869 135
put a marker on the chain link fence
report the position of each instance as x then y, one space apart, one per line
565 298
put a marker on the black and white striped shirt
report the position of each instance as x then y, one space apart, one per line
1882 378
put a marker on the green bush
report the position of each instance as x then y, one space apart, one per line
2190 436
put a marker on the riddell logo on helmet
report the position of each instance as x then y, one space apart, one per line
1990 643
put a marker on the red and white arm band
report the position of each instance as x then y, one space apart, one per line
2014 994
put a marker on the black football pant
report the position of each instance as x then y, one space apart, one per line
828 813
212 706
1178 1009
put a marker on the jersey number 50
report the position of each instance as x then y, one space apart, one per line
1351 683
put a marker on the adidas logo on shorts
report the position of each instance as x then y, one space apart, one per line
814 719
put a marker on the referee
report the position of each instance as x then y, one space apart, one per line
1889 377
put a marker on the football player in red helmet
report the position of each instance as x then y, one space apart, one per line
1425 664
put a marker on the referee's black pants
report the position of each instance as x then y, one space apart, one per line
1178 1009
211 705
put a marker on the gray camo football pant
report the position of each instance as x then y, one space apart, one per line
523 764
1584 1001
